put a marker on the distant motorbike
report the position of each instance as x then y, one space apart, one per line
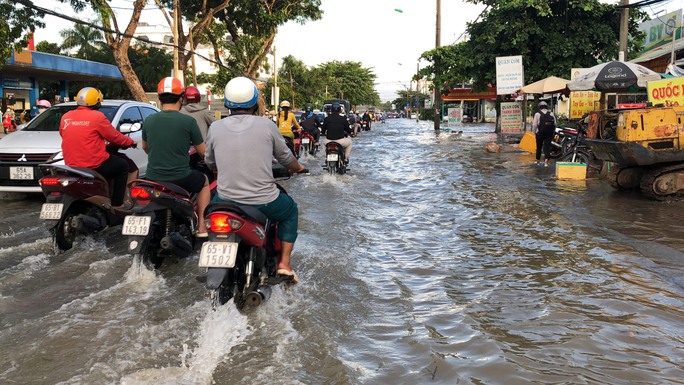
163 220
334 159
242 253
308 144
365 125
78 201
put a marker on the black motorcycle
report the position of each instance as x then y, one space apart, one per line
334 159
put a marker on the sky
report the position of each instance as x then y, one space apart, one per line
371 32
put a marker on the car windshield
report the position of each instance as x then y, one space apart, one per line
50 118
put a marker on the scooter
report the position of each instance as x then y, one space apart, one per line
334 159
163 221
308 144
78 201
365 125
242 253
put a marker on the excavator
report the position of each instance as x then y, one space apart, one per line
645 148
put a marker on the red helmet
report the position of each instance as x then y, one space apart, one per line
170 85
192 95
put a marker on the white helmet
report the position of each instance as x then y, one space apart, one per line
240 92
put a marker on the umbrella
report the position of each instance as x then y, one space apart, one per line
548 85
614 76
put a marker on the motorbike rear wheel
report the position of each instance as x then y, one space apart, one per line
64 234
581 157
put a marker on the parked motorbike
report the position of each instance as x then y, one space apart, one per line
163 220
78 201
308 144
575 149
242 253
562 138
334 159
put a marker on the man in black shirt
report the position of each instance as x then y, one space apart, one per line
336 129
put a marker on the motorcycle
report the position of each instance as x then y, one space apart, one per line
365 125
562 138
308 143
242 253
163 220
78 201
334 159
576 150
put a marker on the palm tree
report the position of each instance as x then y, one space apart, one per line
85 38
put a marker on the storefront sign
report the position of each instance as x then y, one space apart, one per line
511 118
509 74
8 82
660 30
669 92
454 115
583 102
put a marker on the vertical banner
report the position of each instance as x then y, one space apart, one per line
454 115
509 74
511 118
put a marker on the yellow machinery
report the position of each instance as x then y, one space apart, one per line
645 149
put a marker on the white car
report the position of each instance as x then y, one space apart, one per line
39 142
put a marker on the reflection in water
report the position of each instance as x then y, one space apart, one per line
433 261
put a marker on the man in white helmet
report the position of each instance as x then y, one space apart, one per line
241 147
544 127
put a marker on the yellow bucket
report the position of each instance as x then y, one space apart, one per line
528 142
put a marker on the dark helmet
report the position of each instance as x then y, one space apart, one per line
336 108
308 107
192 94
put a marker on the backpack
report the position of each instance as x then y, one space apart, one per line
547 123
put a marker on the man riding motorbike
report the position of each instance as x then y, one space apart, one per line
84 132
311 122
167 137
200 113
241 148
336 129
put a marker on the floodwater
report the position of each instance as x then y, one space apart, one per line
431 262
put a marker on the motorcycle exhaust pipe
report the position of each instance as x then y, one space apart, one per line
257 297
176 244
84 222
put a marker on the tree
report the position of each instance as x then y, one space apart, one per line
18 22
552 36
47 47
86 39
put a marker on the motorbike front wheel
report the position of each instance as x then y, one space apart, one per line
579 157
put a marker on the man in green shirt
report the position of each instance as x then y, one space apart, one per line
167 137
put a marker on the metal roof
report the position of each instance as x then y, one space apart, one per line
47 66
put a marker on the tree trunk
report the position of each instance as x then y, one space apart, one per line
129 75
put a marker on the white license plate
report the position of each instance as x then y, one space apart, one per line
136 225
218 254
332 157
25 173
51 211
306 140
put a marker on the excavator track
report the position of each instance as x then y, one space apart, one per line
664 182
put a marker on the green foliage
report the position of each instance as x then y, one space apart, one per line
85 39
552 36
47 47
17 23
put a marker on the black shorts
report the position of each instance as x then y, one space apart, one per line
192 183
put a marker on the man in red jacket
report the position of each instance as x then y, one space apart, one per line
84 131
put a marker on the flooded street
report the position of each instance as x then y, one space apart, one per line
431 262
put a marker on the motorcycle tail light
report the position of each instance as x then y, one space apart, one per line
222 223
49 181
139 193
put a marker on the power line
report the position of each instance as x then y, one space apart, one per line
28 4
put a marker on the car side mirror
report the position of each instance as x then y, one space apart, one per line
127 128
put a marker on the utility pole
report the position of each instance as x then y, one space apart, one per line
624 30
276 94
417 93
438 101
177 73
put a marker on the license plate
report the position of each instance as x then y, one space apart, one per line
218 254
51 211
25 173
306 140
332 157
136 225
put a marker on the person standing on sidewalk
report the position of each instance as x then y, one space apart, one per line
543 127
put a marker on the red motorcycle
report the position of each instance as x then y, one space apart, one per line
308 143
78 201
163 221
242 253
